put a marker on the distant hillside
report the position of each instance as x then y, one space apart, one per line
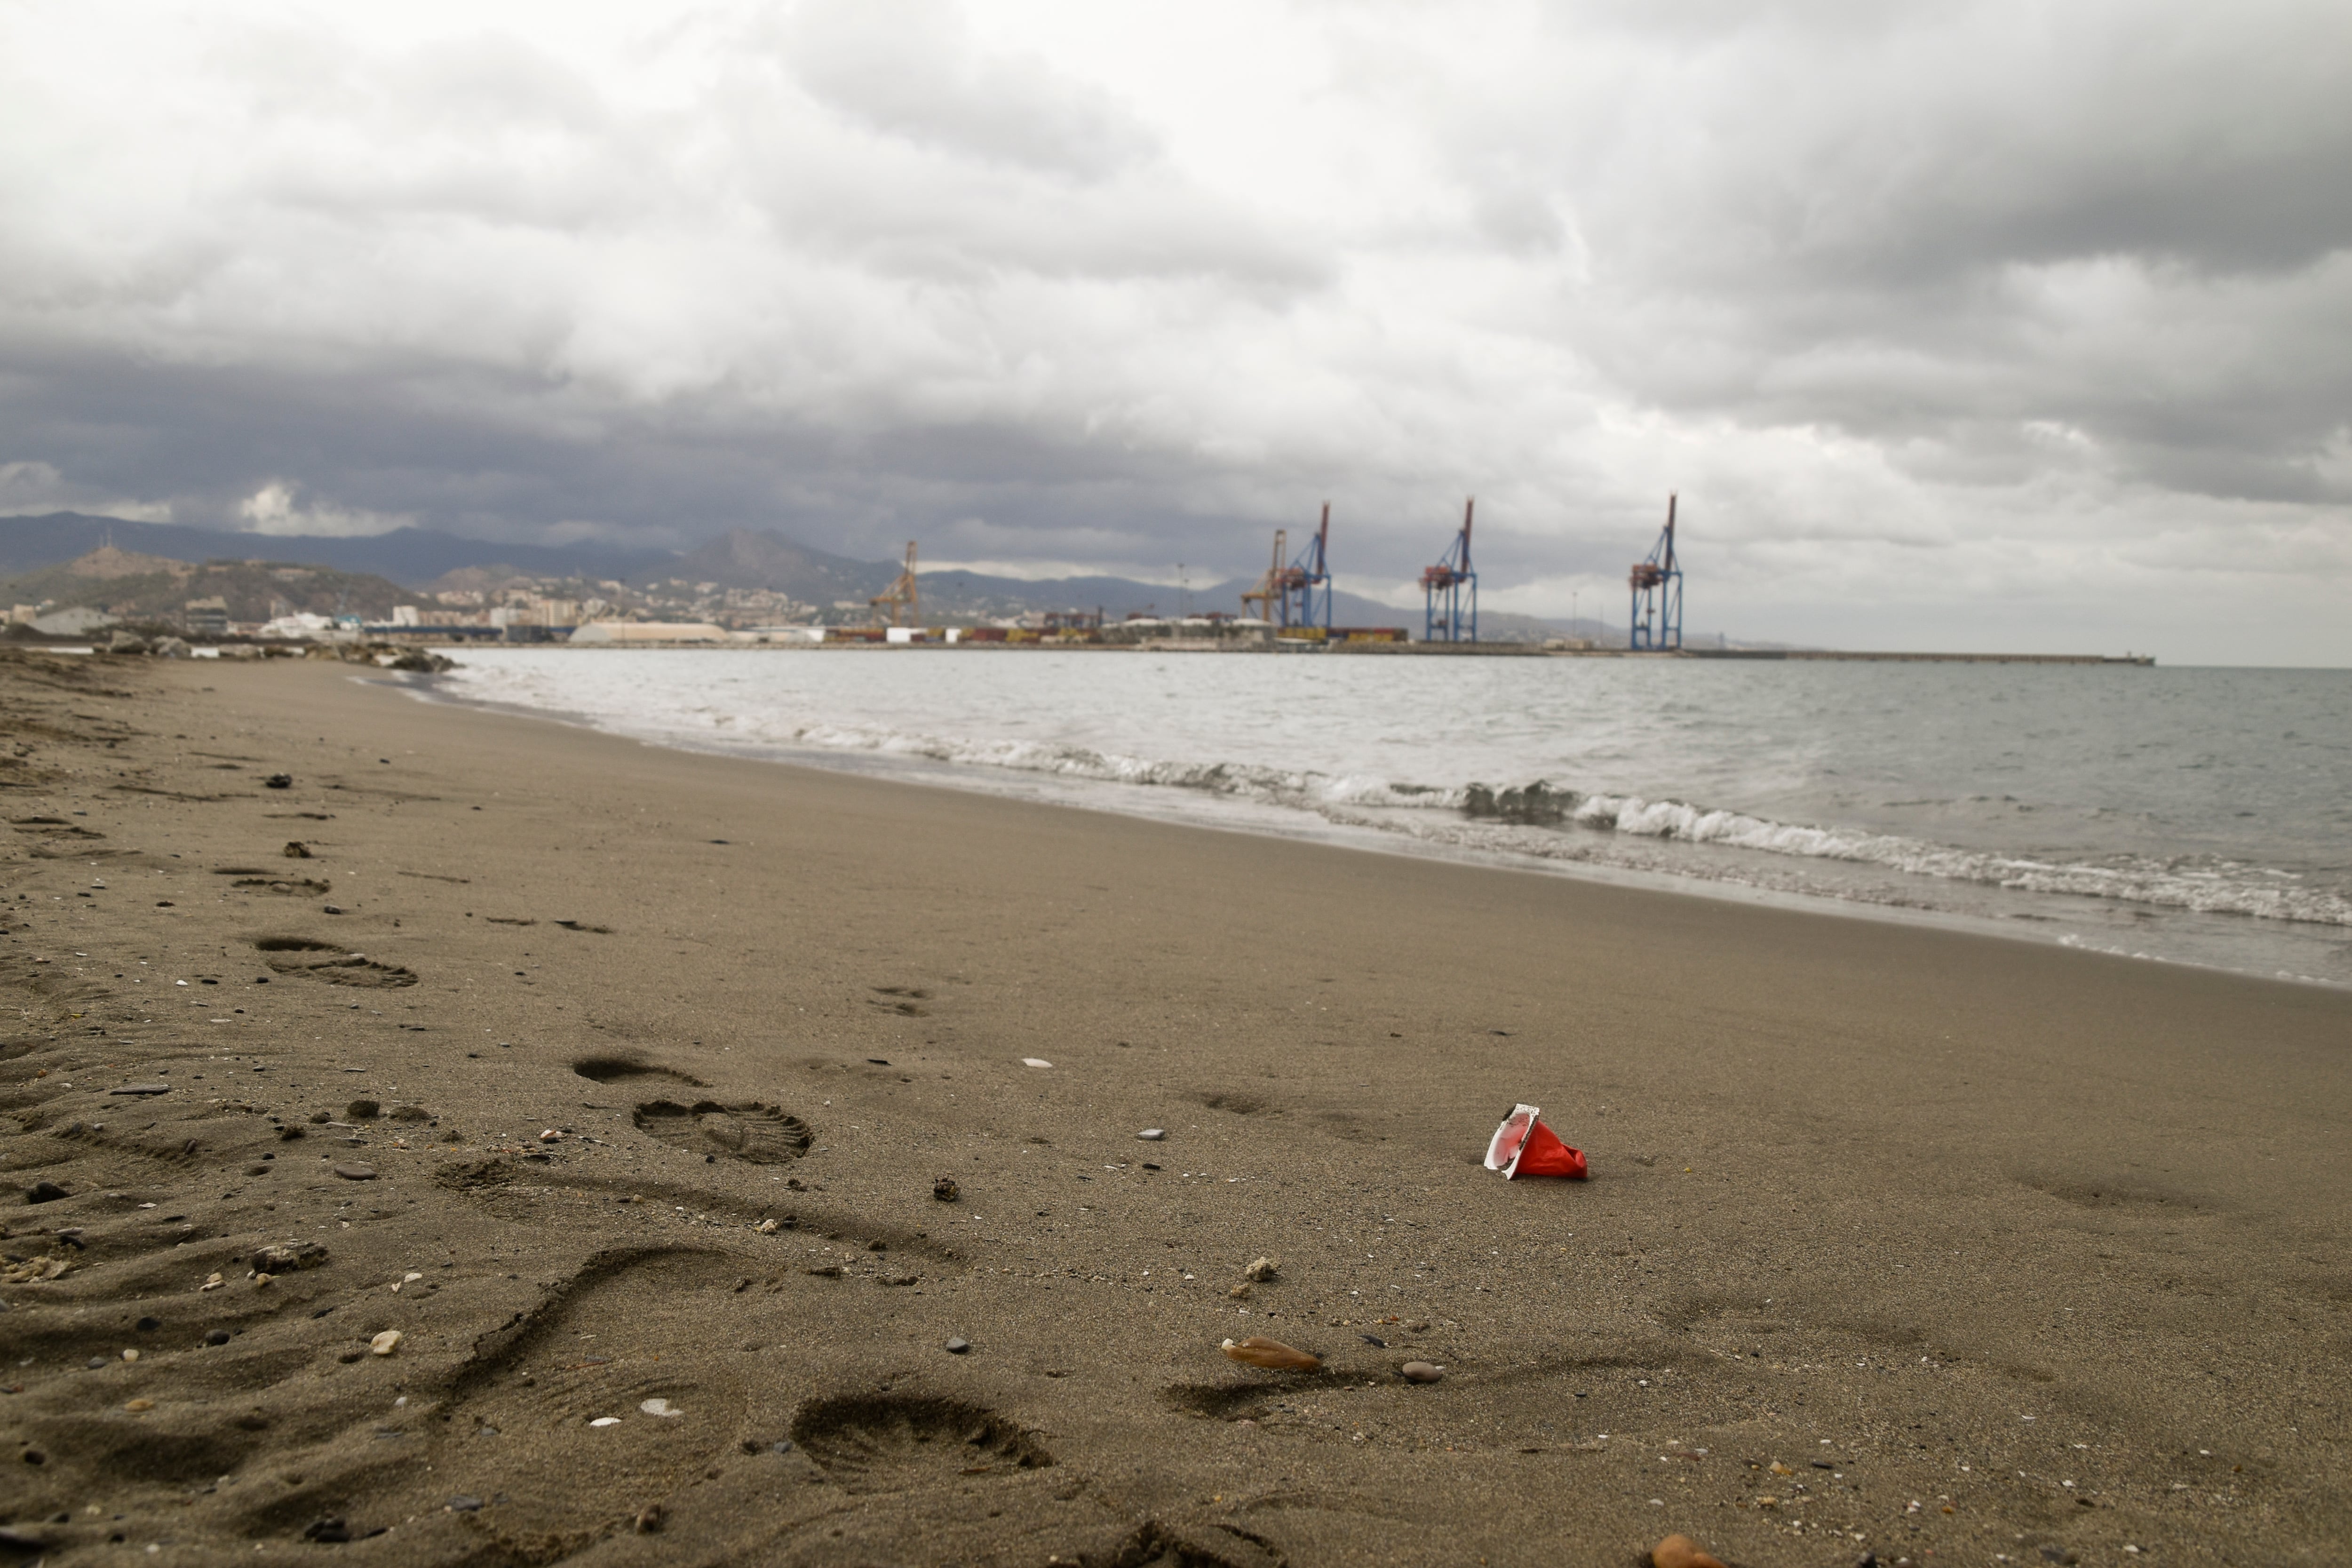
131 587
411 555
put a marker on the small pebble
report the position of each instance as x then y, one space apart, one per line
142 1088
44 1193
386 1342
650 1520
606 1421
945 1189
462 1503
356 1172
660 1407
363 1110
1152 1134
1036 1062
131 1356
1421 1371
958 1347
1262 1269
149 1325
217 1337
97 1363
139 1406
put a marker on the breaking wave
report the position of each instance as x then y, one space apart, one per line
1552 822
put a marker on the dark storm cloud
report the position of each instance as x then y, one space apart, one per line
2051 297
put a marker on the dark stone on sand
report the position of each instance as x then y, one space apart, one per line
142 1088
149 1325
330 908
363 1110
945 1189
412 1113
328 1530
650 1519
827 1271
462 1503
96 1364
279 781
288 1134
320 1118
356 1172
295 850
44 1193
958 1347
217 1337
1421 1371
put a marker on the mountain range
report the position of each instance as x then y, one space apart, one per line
744 559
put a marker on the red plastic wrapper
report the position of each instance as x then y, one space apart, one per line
1524 1146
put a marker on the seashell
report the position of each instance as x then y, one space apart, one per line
1681 1552
386 1342
1272 1354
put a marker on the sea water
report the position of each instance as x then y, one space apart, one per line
2192 816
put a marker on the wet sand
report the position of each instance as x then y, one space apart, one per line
1898 1241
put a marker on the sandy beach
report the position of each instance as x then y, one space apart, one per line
621 1083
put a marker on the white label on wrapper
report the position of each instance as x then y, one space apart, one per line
1511 1139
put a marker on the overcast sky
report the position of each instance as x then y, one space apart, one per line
1955 324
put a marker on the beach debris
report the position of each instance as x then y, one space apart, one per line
1682 1552
658 1406
606 1421
34 1271
1154 1134
356 1172
386 1342
551 1135
1524 1146
363 1110
212 1282
649 1518
279 781
768 1226
1272 1354
1036 1062
944 1188
143 1088
44 1193
1240 1292
1421 1371
1262 1269
295 850
957 1346
286 1257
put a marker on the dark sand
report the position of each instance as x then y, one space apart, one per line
1898 1241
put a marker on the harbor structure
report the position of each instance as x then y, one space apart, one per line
1449 590
1295 596
902 597
1656 624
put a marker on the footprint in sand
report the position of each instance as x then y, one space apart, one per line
760 1135
326 960
901 1000
887 1443
623 1070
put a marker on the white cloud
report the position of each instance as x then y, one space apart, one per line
274 508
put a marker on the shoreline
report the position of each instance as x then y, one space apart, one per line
1179 807
1992 1226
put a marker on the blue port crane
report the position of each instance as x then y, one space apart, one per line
1297 593
1656 625
1449 590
